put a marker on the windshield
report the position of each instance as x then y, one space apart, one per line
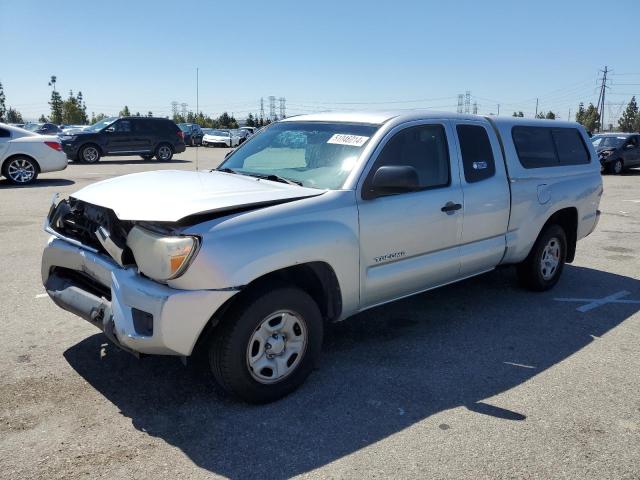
32 127
219 133
184 127
101 124
607 141
316 154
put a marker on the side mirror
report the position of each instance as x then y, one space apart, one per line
629 146
390 180
110 129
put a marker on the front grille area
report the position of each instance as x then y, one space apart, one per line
79 221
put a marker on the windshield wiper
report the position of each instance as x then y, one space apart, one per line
273 178
225 170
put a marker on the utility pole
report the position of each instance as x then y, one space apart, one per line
283 112
498 111
569 116
467 102
603 91
174 109
272 108
261 109
197 91
536 107
460 102
184 110
475 108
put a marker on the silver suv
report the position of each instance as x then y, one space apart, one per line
310 221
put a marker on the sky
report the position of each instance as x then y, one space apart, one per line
321 55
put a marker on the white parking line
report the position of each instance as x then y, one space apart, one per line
591 303
632 201
42 295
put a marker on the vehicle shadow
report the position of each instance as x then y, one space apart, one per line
382 371
138 161
44 182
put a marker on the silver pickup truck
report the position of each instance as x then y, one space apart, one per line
312 220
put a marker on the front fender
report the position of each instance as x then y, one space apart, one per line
242 248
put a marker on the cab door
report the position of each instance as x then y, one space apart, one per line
409 242
119 138
486 197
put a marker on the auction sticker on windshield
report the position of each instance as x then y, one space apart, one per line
351 140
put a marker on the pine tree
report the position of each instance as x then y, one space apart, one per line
518 114
580 114
629 117
149 113
550 115
56 107
591 118
3 107
124 112
14 116
43 119
83 109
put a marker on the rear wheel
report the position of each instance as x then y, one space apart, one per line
89 154
268 345
20 170
541 270
164 152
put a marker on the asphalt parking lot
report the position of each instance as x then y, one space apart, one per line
476 380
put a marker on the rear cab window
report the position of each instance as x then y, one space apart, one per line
540 147
477 154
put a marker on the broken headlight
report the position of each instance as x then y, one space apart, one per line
161 257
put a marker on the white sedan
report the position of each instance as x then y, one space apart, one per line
24 154
220 137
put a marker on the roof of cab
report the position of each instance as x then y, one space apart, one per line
380 117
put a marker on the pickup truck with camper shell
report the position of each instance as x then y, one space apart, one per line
313 219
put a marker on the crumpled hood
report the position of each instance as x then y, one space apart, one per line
170 195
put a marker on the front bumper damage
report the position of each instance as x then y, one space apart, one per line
137 314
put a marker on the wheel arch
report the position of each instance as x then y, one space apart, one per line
567 218
93 144
318 279
18 155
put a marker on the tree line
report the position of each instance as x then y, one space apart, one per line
73 111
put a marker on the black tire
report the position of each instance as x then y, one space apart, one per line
164 152
20 170
89 154
532 272
192 142
146 157
229 348
616 167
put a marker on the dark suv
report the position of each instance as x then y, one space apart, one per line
617 151
192 133
144 136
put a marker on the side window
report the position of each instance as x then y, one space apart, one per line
123 126
570 147
534 146
477 155
4 133
424 148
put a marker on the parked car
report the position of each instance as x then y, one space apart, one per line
223 138
617 151
71 129
242 135
43 128
192 133
24 154
251 130
251 260
144 136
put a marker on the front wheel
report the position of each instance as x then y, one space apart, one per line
616 167
164 153
268 344
541 270
20 170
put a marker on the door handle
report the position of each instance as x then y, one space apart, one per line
451 207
